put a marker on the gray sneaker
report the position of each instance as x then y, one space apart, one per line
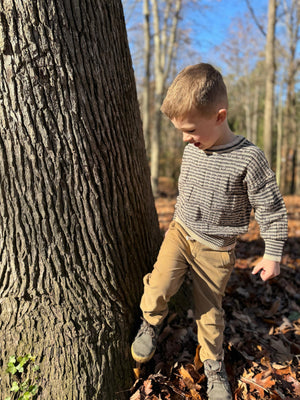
144 345
218 387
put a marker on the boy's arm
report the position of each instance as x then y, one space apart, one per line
270 213
269 269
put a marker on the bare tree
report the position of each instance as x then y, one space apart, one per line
242 53
289 177
147 73
286 53
270 81
78 226
164 50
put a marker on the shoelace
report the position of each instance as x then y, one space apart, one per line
215 377
147 328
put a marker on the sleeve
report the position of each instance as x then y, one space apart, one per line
267 202
184 169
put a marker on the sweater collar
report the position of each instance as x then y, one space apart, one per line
224 148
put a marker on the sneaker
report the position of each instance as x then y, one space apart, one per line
144 345
218 387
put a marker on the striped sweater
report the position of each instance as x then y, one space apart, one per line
218 189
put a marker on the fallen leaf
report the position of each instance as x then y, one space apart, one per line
136 396
188 380
137 372
148 387
198 363
195 395
185 374
282 352
243 317
275 306
295 383
261 343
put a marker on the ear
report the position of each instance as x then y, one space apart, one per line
222 115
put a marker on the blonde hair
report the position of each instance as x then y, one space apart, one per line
199 87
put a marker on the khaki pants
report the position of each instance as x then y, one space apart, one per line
211 270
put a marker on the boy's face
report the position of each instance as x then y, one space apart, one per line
203 132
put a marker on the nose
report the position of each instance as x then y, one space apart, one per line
186 137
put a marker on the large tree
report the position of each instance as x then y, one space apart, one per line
78 227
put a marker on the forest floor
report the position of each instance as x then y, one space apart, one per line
262 333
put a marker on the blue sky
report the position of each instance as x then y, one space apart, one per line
209 23
217 20
223 13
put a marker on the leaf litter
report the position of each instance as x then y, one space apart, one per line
262 332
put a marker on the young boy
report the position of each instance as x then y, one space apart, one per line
223 176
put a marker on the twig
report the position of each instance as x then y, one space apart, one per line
251 381
255 18
246 380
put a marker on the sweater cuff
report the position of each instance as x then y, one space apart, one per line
273 249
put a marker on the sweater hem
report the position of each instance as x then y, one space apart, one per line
198 238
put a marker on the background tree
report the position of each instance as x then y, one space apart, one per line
156 62
291 21
242 57
285 54
77 220
164 39
270 81
147 75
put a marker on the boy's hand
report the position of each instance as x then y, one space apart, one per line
268 269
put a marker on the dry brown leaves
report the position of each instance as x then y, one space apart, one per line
262 334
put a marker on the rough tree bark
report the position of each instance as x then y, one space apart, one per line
78 227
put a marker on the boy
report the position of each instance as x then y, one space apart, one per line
223 176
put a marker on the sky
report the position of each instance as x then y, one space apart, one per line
222 14
209 24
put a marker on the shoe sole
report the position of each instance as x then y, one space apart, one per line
140 359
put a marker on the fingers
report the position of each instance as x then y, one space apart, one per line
256 269
265 273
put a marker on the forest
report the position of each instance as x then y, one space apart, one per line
88 182
258 54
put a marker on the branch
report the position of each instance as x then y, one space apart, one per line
260 27
252 382
172 40
164 32
157 39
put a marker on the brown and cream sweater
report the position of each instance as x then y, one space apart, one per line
219 187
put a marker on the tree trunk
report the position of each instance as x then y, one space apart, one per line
279 136
290 129
270 80
292 12
247 102
254 124
147 76
164 52
297 167
155 145
78 227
